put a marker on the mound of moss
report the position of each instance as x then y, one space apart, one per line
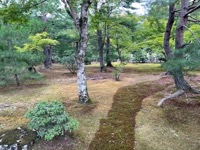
117 131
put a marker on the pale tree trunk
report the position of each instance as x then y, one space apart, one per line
81 23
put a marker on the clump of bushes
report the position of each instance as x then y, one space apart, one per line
49 119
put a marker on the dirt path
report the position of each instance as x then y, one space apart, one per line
117 131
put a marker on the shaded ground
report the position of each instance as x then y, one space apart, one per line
59 84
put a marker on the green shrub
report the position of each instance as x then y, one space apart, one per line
49 119
118 70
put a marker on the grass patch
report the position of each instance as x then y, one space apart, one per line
174 127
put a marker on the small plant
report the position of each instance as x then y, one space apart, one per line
118 70
70 63
49 119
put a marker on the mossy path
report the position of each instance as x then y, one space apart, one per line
117 131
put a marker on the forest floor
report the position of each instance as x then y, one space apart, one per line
174 127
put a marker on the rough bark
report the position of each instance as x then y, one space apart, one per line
47 56
81 23
170 22
47 49
181 84
178 76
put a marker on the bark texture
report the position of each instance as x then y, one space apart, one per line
181 84
47 51
81 23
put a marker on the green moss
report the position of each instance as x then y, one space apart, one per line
117 131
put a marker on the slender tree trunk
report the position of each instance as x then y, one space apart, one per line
108 61
166 44
17 79
100 49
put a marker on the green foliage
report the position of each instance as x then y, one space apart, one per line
140 56
186 59
50 119
118 70
12 62
70 63
37 42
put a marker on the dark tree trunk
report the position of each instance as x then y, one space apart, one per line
178 76
100 49
47 56
166 44
108 61
17 79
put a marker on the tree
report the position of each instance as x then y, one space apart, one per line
177 69
81 23
37 43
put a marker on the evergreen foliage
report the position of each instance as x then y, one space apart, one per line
14 64
49 119
186 59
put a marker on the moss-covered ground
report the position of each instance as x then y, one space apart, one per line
108 110
117 131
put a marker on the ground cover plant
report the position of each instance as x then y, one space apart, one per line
60 84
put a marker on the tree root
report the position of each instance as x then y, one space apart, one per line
176 94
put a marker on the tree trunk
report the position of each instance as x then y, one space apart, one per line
100 49
82 84
178 74
47 56
81 23
17 79
108 61
166 44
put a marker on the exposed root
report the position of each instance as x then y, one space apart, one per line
176 94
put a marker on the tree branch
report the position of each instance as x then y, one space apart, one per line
192 10
198 41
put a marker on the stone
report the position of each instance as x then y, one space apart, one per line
17 139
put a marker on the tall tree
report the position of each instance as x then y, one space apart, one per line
80 19
187 7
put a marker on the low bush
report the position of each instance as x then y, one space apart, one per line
49 119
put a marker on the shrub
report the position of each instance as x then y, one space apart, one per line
70 63
49 119
118 70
